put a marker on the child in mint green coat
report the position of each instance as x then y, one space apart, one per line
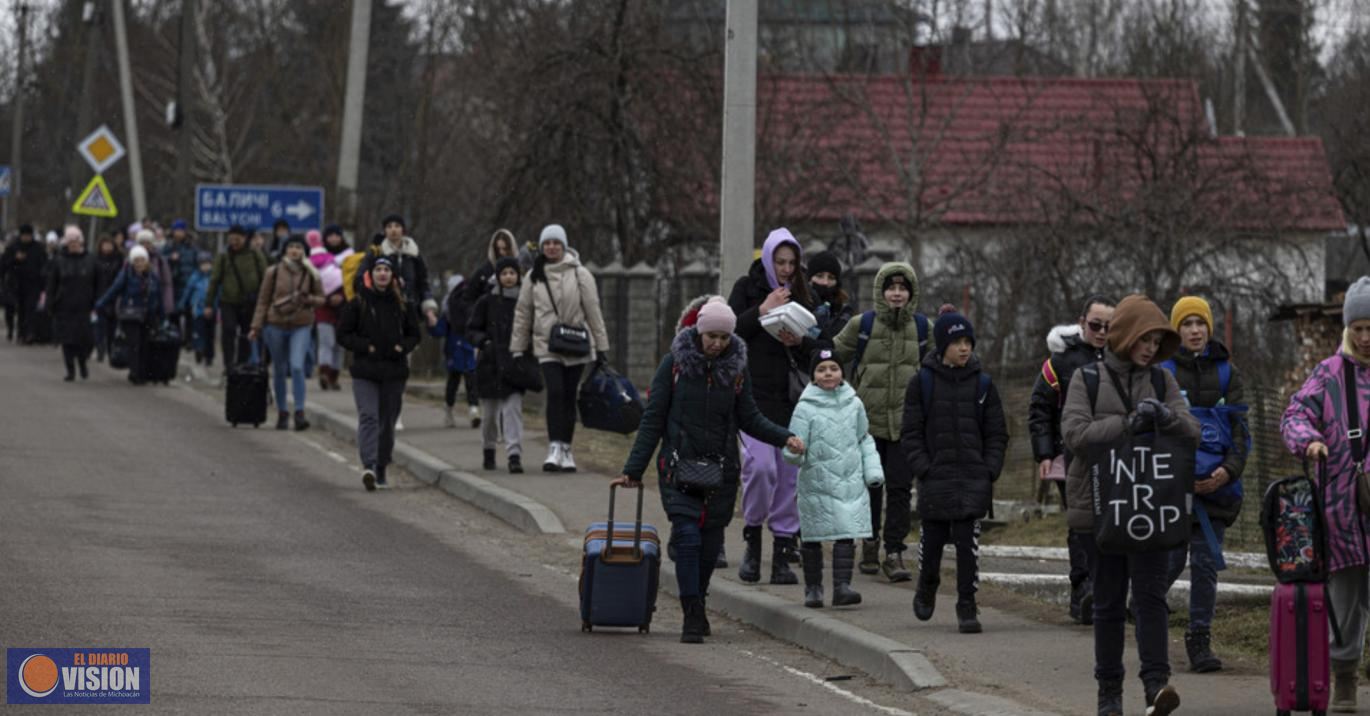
835 472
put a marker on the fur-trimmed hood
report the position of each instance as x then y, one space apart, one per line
490 246
1062 337
409 247
690 314
691 362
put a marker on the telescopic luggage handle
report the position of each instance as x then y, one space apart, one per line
636 555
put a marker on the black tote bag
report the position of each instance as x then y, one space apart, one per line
1143 487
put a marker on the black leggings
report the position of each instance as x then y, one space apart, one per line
454 384
562 382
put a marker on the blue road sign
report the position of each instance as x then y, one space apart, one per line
219 206
6 178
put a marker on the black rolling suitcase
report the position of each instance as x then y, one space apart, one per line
245 394
163 353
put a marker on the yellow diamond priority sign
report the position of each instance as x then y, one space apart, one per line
95 200
101 149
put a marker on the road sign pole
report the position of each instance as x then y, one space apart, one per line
135 159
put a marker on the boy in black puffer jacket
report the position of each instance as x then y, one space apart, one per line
954 436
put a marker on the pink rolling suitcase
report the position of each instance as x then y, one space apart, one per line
1300 672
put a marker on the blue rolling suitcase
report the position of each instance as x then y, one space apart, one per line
619 572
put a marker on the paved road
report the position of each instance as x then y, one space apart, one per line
265 580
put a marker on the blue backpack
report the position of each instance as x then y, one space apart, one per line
1215 437
864 337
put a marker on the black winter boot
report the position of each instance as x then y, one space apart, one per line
1111 698
811 554
925 599
1082 603
692 632
282 420
301 422
488 461
515 465
722 561
1161 699
967 618
750 569
843 562
870 557
704 613
780 562
1201 657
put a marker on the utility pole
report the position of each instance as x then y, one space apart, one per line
354 101
179 117
737 205
135 157
21 12
90 19
1239 74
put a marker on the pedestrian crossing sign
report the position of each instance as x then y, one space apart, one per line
95 200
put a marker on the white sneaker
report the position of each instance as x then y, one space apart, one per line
567 462
475 416
399 425
448 419
553 461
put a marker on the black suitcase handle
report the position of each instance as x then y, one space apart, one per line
635 556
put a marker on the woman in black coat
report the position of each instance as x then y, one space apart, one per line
70 297
701 397
381 332
109 260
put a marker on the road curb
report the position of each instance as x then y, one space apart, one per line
518 510
905 667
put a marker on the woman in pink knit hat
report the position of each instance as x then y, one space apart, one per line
701 396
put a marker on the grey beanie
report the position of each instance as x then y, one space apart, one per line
1357 304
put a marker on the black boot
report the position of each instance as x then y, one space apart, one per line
1082 603
966 618
722 561
301 422
870 557
704 613
282 420
811 555
925 598
515 465
780 562
692 632
1111 698
750 569
1201 657
843 562
81 366
489 462
1161 699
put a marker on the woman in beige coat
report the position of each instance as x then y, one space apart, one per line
558 292
289 293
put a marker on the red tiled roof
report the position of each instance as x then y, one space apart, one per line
1010 150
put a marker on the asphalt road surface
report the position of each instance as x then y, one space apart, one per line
265 580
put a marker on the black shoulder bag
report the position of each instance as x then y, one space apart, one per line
566 339
699 476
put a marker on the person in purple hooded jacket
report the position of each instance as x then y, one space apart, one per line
1315 426
768 482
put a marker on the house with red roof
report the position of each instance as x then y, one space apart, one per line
940 168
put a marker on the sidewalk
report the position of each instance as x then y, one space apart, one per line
1019 665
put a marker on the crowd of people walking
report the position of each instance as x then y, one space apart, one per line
843 430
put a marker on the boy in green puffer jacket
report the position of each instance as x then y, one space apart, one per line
833 479
884 348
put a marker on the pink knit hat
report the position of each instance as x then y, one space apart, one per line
313 238
716 316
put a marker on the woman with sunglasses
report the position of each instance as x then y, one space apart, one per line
1079 348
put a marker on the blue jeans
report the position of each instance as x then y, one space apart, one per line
1146 573
696 552
288 347
1203 575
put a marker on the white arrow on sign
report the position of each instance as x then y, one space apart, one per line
301 210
